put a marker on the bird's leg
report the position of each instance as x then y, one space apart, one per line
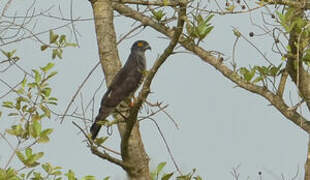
132 101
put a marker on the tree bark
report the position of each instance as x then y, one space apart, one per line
133 152
276 100
294 64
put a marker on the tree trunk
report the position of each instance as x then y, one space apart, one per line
133 152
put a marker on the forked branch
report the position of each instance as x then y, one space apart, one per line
276 100
132 119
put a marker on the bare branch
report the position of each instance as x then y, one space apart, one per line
300 4
282 83
206 56
150 75
152 3
167 145
109 158
103 155
79 89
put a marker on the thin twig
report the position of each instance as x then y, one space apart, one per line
79 89
166 144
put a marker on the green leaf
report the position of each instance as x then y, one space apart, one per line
20 91
274 71
209 18
52 102
54 52
44 136
35 129
23 83
37 156
37 76
107 178
43 139
62 39
165 2
47 67
70 45
260 78
8 104
236 33
53 37
158 15
28 152
16 130
160 167
70 174
198 178
51 75
56 173
167 176
5 53
9 54
44 47
37 176
53 99
12 114
46 111
46 92
101 140
231 8
59 53
89 178
47 167
205 31
20 156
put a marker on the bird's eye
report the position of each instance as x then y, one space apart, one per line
140 44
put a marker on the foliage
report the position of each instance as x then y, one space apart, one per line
199 28
157 174
290 22
261 73
158 15
30 108
57 43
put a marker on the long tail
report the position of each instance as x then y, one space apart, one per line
104 112
94 130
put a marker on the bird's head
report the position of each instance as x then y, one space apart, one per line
140 46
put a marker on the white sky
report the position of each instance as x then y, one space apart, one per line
220 126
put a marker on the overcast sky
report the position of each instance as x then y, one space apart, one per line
221 126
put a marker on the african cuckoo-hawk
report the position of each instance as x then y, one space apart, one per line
124 83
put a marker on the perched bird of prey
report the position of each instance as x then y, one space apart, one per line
124 83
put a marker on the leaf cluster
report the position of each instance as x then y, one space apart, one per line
261 73
199 28
157 174
301 27
57 43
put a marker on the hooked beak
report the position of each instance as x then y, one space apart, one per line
148 47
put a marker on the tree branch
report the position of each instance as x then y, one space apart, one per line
290 3
150 75
103 155
282 83
206 56
109 158
152 3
